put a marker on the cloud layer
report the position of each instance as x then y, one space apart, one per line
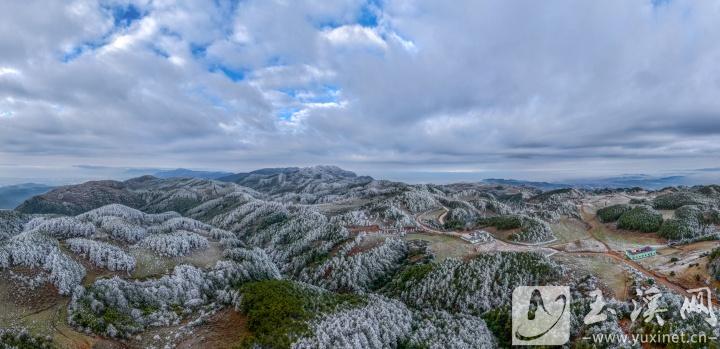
504 85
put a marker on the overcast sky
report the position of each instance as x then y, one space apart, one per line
503 88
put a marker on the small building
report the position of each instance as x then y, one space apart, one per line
640 253
477 237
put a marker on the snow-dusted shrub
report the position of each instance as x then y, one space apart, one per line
102 254
355 270
175 244
382 323
61 227
440 329
14 338
31 282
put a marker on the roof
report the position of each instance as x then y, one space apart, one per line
641 250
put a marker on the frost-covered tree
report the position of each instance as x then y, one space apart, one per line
356 270
61 227
179 223
11 223
533 230
132 306
174 244
382 323
120 229
440 329
416 200
113 210
293 236
35 250
474 286
102 254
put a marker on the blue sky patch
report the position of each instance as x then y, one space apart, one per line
287 113
368 15
232 74
124 16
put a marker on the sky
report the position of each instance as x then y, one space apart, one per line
503 88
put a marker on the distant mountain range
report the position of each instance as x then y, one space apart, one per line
13 195
627 181
185 173
531 184
271 176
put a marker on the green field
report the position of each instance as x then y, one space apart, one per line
444 246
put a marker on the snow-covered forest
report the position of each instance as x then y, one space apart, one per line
329 251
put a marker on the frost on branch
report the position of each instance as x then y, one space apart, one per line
533 231
291 235
358 218
119 229
440 329
33 250
382 323
4 258
131 306
11 223
417 200
355 270
113 210
179 223
255 264
474 286
61 227
175 244
102 254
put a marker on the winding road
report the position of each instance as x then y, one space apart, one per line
593 224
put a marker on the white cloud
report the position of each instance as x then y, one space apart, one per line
354 35
8 71
501 84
